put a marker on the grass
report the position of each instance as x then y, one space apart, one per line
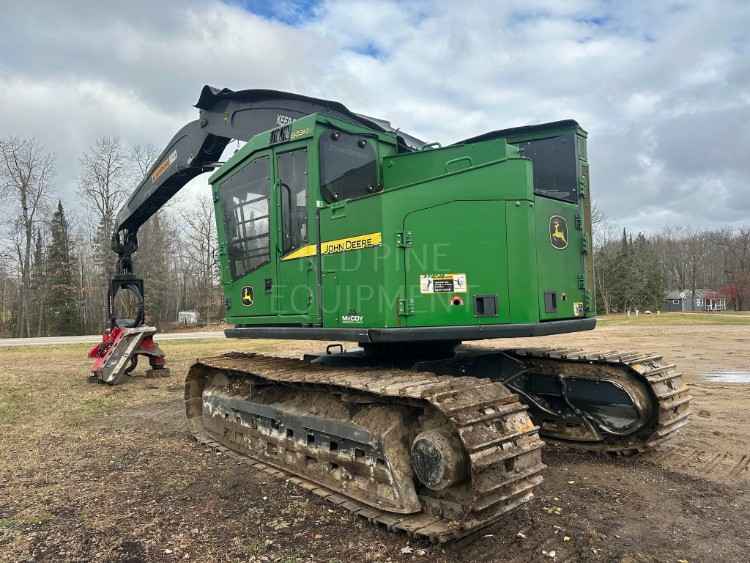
11 405
46 387
30 517
91 472
667 319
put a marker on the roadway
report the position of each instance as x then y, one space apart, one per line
94 338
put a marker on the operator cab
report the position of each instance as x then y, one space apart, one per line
270 194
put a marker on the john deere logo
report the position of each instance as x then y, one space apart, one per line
558 232
248 296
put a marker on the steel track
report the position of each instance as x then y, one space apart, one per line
476 407
500 441
663 381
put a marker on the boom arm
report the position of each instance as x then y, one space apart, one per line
224 115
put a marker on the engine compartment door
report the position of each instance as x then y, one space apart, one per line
455 263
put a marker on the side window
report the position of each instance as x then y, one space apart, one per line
293 193
245 197
555 170
348 166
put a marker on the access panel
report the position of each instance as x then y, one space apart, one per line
456 270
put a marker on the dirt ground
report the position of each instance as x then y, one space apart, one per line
91 472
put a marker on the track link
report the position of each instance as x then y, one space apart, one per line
664 382
501 443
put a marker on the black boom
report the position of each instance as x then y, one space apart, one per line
224 115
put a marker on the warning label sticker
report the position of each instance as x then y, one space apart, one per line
442 283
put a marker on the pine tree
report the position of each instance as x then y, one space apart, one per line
62 299
622 276
39 286
649 282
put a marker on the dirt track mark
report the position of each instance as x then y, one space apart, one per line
720 466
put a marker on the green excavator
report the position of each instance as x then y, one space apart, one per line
338 227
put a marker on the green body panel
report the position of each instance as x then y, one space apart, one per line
383 259
557 272
475 250
523 280
346 291
409 168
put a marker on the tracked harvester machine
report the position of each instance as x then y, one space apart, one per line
335 226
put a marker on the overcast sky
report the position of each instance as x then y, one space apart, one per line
663 91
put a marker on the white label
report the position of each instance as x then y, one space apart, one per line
282 119
442 283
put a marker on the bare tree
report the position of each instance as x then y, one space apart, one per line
697 250
141 158
201 250
25 171
605 258
673 249
737 266
104 176
604 235
597 215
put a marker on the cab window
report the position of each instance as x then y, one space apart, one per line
292 169
348 166
245 198
555 166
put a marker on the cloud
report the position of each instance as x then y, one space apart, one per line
662 88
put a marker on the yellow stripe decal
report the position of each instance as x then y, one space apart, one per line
347 244
305 251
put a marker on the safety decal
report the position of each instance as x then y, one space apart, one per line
163 166
558 232
578 309
442 283
358 242
248 296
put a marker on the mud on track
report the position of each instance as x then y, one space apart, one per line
89 472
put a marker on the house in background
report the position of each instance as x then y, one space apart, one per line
188 317
705 300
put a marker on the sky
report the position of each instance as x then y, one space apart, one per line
663 88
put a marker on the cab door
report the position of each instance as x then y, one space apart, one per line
297 240
248 255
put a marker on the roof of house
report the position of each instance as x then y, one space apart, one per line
699 294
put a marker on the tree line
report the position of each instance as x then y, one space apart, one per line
636 271
56 261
